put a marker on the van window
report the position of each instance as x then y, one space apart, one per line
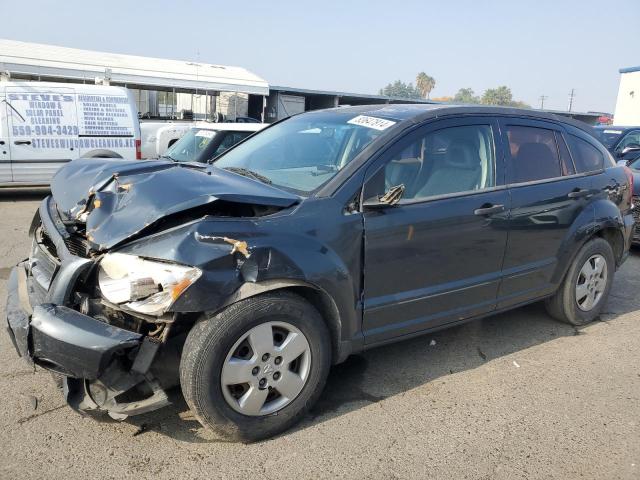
586 157
450 160
533 154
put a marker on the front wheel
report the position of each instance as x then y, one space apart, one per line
585 289
254 369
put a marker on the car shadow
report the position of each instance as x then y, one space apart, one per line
380 373
23 194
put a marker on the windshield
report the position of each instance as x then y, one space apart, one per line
608 136
305 151
190 147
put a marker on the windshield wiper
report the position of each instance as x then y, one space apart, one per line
249 173
169 157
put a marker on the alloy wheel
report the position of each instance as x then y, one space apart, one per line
591 282
266 369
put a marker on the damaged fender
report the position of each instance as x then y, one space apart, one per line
274 257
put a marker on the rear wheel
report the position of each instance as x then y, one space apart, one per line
585 289
254 369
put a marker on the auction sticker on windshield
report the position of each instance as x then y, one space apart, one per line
205 133
371 122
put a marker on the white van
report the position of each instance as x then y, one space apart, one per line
44 125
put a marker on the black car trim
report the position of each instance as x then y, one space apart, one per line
554 179
446 196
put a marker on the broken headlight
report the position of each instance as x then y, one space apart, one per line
142 285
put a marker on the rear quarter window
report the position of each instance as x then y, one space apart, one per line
586 157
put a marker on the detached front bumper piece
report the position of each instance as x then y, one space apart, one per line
74 344
99 362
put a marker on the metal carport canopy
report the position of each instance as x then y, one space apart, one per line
22 58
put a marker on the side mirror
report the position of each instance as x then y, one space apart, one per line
389 199
374 203
629 149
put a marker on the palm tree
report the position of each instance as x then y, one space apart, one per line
424 84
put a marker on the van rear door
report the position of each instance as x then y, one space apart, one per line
5 153
43 131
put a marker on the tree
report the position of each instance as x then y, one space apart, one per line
466 95
424 84
502 96
497 96
400 89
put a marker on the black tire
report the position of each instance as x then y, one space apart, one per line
563 305
211 339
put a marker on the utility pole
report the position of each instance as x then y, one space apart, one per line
571 97
542 99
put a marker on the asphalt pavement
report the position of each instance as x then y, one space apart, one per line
516 395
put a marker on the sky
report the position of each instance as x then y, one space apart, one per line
536 47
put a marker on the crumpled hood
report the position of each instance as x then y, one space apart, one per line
119 198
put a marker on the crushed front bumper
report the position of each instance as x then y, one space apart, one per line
98 362
59 338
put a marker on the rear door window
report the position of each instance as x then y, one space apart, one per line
586 157
533 154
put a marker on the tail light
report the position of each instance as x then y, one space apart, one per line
138 149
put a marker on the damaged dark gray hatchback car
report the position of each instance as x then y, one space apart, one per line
323 235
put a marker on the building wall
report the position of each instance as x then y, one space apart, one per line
628 104
142 100
233 105
201 104
230 104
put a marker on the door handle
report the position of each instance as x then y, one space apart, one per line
578 193
489 209
22 142
1 142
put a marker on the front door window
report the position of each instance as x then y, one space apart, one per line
442 162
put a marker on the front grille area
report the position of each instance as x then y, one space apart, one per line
636 217
44 261
77 245
45 240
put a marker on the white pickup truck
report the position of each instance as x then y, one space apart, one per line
157 137
205 141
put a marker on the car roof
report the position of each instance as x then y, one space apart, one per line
615 127
234 127
419 112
